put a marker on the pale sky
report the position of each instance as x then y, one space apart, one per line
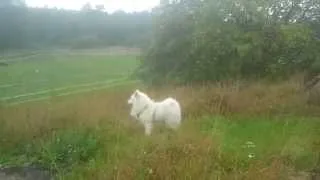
110 5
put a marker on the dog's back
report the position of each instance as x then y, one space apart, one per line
169 110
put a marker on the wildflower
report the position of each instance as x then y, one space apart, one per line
251 155
150 171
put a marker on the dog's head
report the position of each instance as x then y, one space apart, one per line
138 100
134 97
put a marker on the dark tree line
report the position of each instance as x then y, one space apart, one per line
25 27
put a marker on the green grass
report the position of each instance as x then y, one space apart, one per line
287 138
109 149
283 136
60 74
89 135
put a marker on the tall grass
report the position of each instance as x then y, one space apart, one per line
248 131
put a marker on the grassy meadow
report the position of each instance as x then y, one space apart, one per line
69 113
49 74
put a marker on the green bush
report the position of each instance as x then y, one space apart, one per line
58 151
216 40
68 148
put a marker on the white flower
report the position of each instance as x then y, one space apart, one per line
251 155
150 171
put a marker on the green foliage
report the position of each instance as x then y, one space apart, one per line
64 149
216 40
59 151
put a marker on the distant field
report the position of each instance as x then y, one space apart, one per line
42 75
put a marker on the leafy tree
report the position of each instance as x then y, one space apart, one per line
210 40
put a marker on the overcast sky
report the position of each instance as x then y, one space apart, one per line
110 5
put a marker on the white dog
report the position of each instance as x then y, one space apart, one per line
148 111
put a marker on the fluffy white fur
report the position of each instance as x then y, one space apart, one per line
147 111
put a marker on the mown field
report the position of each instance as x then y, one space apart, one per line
43 75
68 113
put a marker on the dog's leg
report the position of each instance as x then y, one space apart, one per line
148 128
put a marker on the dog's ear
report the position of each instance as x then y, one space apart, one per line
136 93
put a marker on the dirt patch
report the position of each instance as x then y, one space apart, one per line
312 88
24 173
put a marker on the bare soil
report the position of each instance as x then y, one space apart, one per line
24 173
